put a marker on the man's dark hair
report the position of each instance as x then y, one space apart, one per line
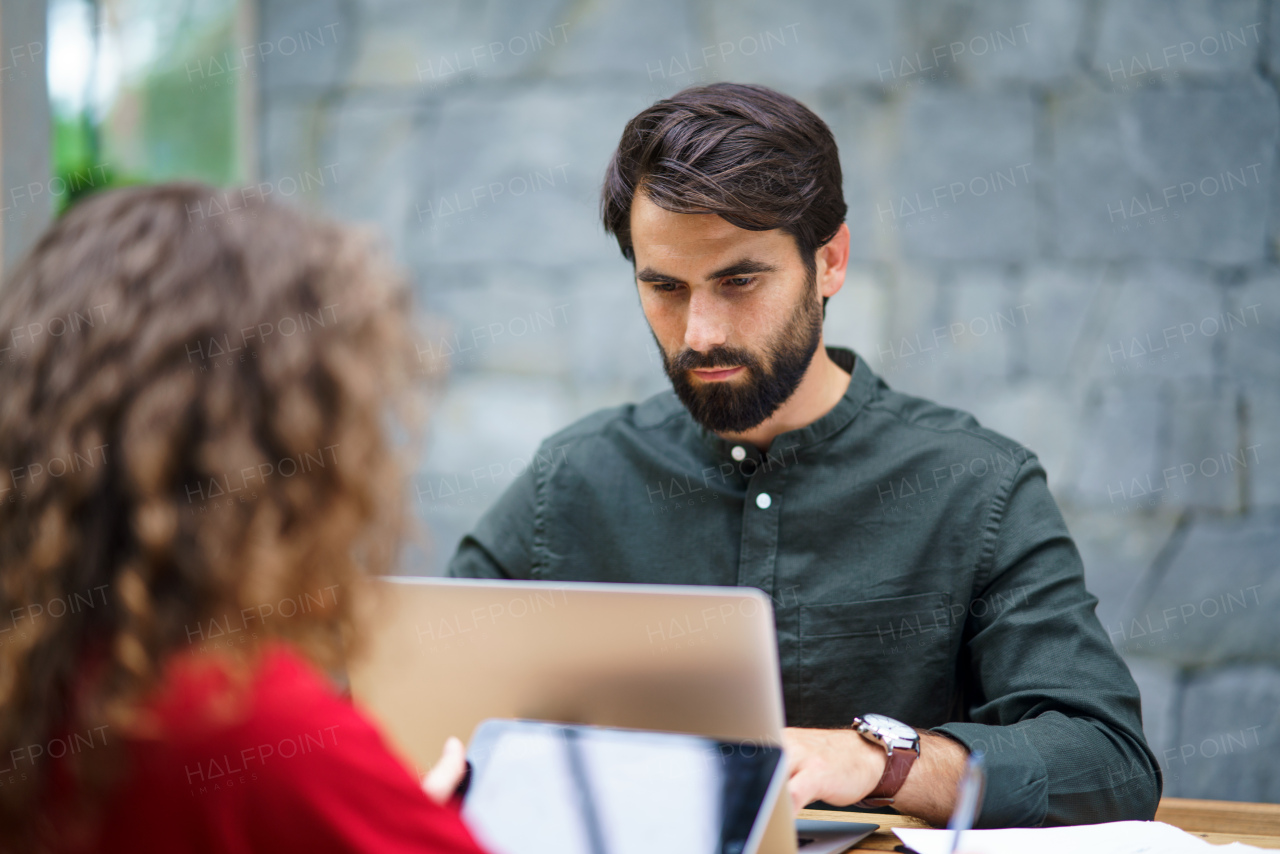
757 158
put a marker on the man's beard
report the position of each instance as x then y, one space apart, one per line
737 405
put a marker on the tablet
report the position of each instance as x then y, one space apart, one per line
539 788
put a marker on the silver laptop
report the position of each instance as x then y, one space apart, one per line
442 655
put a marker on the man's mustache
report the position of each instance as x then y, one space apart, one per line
720 357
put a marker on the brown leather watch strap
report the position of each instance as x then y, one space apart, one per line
896 768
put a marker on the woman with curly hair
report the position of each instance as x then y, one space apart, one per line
195 474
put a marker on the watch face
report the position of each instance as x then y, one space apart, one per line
890 729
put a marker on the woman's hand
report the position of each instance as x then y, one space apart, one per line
443 778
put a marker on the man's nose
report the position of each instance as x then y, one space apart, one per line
707 327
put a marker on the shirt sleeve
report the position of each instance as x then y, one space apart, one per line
501 546
1050 702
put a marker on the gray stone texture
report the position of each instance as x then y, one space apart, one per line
1154 324
963 345
964 182
985 319
914 308
373 152
471 182
825 40
1273 219
1002 41
1251 328
1117 552
1273 43
482 431
1197 612
304 48
1128 335
1161 687
535 336
1116 457
1228 736
1141 38
290 134
1039 413
434 47
654 38
1262 425
1128 182
1206 461
857 315
866 156
28 195
1060 301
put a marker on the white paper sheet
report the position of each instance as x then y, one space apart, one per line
1117 837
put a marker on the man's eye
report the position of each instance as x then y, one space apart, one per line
739 281
665 287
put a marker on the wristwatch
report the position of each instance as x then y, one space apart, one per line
901 743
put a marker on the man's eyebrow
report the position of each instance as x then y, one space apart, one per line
648 274
744 267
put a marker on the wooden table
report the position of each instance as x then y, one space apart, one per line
1221 822
1218 822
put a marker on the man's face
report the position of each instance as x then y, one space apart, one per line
736 314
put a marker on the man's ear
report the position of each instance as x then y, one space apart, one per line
832 260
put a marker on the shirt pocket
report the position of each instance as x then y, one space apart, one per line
893 656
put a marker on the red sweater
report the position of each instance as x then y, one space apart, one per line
294 767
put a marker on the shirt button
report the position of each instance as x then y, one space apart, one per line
739 453
763 501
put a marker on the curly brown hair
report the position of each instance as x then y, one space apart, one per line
194 414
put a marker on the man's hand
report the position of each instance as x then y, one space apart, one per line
841 767
833 765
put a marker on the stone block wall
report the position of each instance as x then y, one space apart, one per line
1064 214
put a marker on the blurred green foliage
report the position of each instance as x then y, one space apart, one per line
176 119
76 167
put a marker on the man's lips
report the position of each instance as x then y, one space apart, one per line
716 374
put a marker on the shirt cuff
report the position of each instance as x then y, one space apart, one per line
1017 792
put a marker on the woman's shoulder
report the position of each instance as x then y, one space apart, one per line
280 758
277 694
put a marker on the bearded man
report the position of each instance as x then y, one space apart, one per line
927 594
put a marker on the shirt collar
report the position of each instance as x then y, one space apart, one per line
861 384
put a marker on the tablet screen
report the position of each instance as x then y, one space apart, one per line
538 788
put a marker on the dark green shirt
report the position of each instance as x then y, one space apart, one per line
918 568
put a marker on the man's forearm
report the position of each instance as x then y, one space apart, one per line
929 792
